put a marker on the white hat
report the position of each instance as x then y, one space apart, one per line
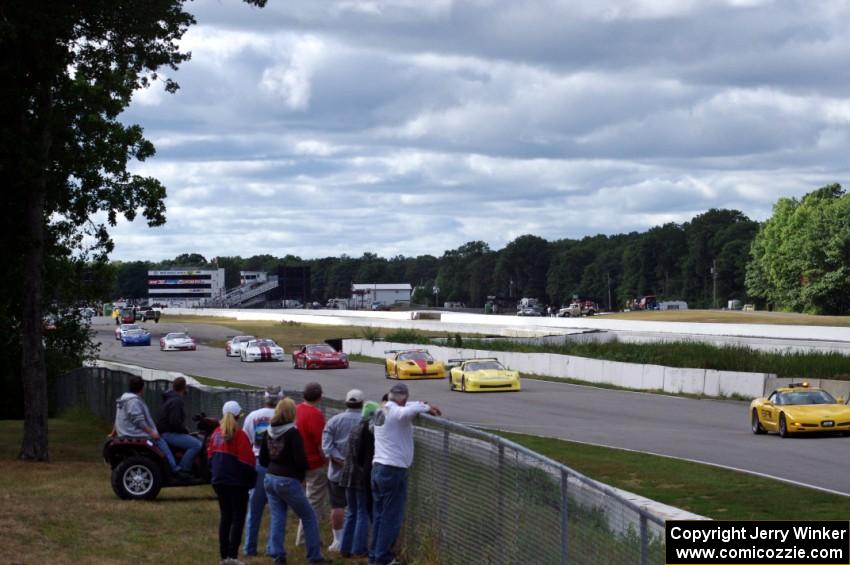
231 407
354 396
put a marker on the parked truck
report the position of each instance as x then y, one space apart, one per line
577 309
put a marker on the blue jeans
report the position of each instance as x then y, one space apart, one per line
389 491
283 493
190 444
256 505
355 531
163 446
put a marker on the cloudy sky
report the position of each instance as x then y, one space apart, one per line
408 127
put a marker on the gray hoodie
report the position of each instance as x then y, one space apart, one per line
132 414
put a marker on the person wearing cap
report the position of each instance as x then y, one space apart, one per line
255 425
311 423
335 448
233 476
393 429
356 479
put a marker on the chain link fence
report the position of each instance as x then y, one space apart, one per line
473 497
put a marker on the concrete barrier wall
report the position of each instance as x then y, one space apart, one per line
145 373
628 375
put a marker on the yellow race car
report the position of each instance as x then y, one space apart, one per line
481 375
799 408
412 364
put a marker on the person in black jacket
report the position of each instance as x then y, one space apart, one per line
171 424
357 479
282 453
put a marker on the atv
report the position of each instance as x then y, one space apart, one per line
140 469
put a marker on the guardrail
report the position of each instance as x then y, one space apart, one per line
473 497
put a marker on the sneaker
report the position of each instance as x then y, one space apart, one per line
394 562
334 546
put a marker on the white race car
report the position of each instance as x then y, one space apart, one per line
177 341
233 347
121 330
261 350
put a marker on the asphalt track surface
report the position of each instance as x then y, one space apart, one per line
710 431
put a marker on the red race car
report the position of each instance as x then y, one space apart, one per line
319 356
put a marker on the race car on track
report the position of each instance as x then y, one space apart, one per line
233 346
261 350
481 375
412 364
177 341
119 331
799 408
319 356
136 337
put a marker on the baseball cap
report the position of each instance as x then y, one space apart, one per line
369 409
354 396
231 407
399 388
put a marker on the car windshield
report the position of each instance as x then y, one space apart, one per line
128 328
415 356
178 336
136 332
483 366
806 397
264 343
320 349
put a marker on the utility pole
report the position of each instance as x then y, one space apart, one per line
714 283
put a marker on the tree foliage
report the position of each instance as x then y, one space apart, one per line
69 70
800 258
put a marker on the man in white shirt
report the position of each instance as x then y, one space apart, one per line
255 426
393 455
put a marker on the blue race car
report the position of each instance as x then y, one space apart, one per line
136 337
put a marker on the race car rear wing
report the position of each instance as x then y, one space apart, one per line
388 351
460 360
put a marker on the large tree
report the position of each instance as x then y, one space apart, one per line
800 259
69 69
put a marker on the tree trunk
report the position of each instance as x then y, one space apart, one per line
33 366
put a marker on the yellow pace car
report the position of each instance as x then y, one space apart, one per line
412 364
799 408
481 375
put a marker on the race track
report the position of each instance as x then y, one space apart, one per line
711 431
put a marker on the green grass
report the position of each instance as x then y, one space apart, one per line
697 355
710 491
209 381
65 511
733 317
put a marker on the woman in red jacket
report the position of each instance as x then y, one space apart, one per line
233 475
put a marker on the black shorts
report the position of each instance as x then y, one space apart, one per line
337 495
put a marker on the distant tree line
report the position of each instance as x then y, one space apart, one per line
673 261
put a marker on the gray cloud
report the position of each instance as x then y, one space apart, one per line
399 126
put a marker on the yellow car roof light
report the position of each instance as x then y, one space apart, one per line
803 384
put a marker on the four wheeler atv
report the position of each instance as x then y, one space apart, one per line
140 469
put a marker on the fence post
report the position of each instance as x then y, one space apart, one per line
644 541
500 508
564 516
444 496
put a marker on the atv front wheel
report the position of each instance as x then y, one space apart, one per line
137 478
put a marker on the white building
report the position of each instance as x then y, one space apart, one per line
364 296
185 287
250 277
